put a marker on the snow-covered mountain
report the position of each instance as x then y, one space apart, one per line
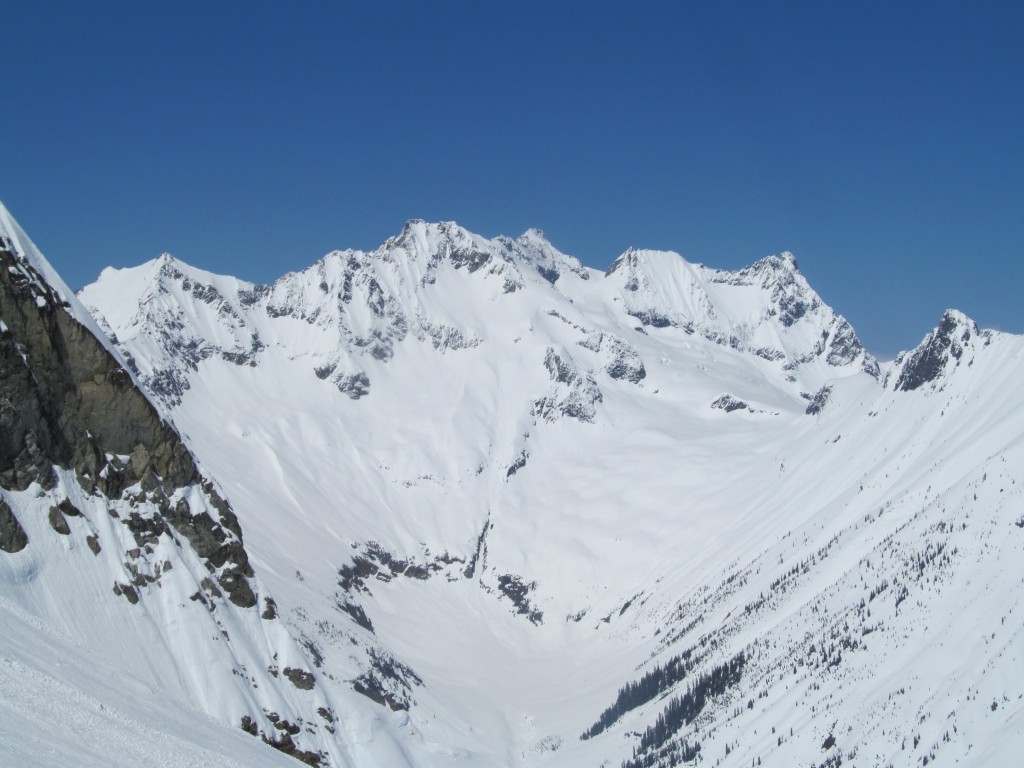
514 511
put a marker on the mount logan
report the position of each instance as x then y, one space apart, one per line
461 501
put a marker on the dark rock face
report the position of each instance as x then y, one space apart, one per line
371 688
790 299
651 317
819 401
516 590
377 563
58 522
269 610
844 348
941 350
357 613
548 273
323 371
12 536
354 385
580 398
286 744
445 337
283 743
518 463
728 403
559 370
65 401
300 678
388 681
625 363
471 259
73 402
127 591
69 509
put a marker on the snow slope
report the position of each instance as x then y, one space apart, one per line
506 501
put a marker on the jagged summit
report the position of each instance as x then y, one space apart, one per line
535 250
440 283
783 261
952 343
164 267
422 239
768 308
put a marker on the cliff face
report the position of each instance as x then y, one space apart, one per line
65 400
955 340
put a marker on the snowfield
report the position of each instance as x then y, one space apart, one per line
502 501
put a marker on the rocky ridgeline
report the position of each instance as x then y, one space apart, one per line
942 351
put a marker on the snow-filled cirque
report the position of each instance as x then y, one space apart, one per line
464 501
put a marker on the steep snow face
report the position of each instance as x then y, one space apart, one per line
150 320
515 502
64 704
449 355
767 309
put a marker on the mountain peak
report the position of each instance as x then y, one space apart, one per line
940 352
434 230
639 258
549 262
776 269
167 267
789 259
954 317
421 239
768 309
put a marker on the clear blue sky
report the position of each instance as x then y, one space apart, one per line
883 143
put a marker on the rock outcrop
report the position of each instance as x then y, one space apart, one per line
941 351
65 399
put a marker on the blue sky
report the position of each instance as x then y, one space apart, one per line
882 143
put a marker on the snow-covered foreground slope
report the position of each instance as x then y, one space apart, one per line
504 502
62 705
